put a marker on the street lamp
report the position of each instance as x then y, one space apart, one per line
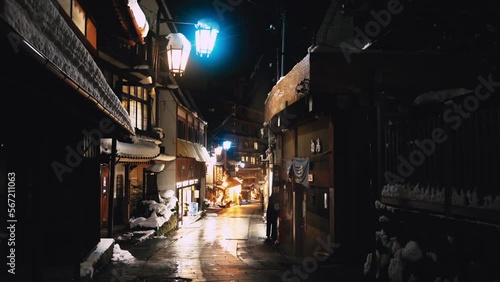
206 34
179 47
219 150
226 145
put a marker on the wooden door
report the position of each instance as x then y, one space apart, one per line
299 210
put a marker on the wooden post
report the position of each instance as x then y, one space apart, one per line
111 193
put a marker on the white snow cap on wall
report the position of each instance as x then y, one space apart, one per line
140 17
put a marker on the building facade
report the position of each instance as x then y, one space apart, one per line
373 155
186 139
96 143
70 108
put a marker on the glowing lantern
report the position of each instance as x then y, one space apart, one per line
178 49
205 36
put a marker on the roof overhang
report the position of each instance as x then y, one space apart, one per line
284 93
139 151
195 151
63 54
117 17
332 71
163 158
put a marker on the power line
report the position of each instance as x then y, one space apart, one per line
238 103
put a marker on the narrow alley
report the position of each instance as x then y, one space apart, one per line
228 245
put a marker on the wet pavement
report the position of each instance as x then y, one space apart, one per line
227 245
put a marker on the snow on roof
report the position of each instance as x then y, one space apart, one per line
43 28
139 149
285 91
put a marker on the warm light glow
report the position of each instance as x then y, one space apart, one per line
178 49
206 34
213 160
226 145
218 150
146 80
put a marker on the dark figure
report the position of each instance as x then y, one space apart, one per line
272 218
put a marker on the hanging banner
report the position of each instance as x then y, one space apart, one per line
298 170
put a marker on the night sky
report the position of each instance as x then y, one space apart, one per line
246 53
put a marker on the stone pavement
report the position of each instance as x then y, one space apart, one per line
224 246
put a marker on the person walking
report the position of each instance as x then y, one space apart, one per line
272 213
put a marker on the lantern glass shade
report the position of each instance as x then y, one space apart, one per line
205 36
178 49
226 145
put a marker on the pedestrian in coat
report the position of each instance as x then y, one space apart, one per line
272 213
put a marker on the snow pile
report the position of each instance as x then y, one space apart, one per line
436 194
122 255
412 252
160 212
86 269
87 266
471 198
414 192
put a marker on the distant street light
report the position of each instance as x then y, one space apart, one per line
218 150
226 145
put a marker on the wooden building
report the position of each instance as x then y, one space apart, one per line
390 143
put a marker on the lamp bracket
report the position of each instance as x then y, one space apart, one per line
176 22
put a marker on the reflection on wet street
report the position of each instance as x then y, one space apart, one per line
224 245
227 245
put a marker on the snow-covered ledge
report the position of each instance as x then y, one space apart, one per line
97 259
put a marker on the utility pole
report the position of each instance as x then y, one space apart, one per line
280 50
283 29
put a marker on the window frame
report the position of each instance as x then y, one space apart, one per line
130 96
